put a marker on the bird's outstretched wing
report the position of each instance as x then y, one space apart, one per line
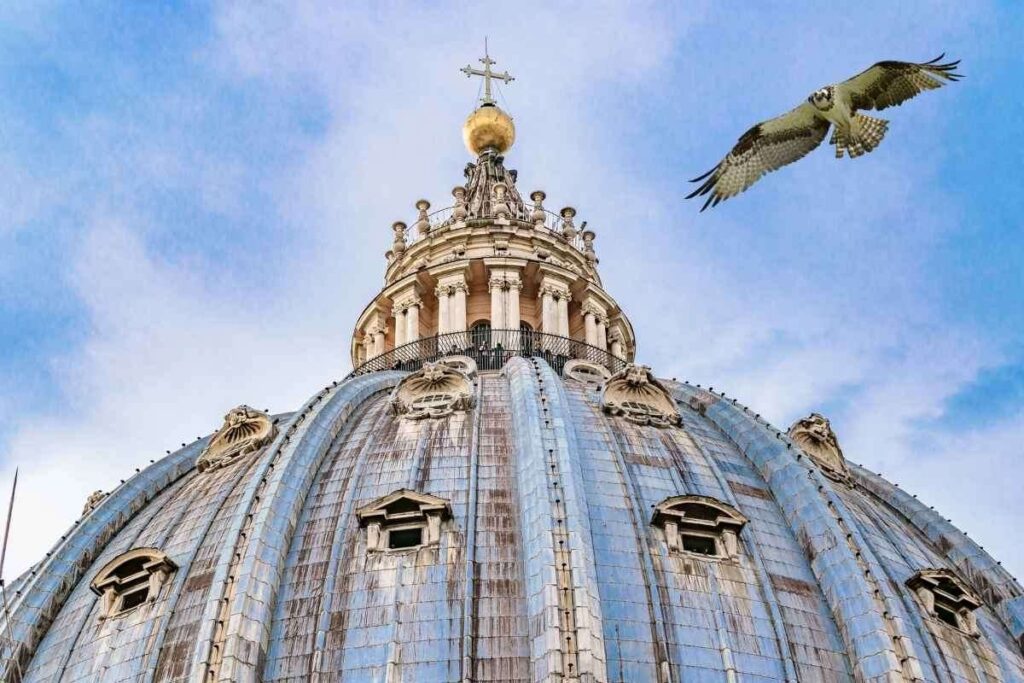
888 84
766 147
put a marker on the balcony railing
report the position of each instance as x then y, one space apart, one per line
442 219
491 349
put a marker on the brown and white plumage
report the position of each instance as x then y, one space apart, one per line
774 143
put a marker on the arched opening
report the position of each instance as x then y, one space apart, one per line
526 339
480 335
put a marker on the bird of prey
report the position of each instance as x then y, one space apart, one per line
772 144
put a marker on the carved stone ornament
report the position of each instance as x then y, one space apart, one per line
638 396
93 501
814 435
586 372
245 431
436 390
464 364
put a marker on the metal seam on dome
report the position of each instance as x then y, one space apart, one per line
1010 608
754 550
30 628
342 526
534 436
469 614
86 616
206 655
744 429
652 575
153 655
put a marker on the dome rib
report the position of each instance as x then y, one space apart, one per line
764 580
545 444
876 645
342 528
274 499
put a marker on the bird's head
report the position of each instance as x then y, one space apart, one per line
822 98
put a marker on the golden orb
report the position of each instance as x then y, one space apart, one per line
488 128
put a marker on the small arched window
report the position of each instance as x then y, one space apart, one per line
700 526
131 580
944 597
480 334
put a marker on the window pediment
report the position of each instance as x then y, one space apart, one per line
131 580
637 395
945 597
403 519
435 390
700 525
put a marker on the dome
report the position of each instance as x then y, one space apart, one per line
488 127
553 523
500 492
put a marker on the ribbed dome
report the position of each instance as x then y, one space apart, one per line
544 519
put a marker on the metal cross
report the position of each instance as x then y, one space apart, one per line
487 75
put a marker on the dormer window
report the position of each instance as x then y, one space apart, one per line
403 520
699 526
131 580
946 598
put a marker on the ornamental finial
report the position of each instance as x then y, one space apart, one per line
487 74
488 128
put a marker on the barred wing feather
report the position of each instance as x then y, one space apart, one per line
889 84
766 147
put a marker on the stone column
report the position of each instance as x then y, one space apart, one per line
602 334
379 340
563 314
443 300
458 317
412 315
589 327
547 310
512 305
617 347
496 288
400 326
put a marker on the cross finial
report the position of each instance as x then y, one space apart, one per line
487 75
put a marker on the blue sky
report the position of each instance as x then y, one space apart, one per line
197 198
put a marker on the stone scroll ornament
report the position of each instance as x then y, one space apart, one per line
814 435
93 501
245 431
436 390
635 394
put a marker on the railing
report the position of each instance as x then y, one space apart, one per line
490 349
442 219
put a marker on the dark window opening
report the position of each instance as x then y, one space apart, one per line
405 538
480 334
947 615
702 545
134 599
131 568
403 505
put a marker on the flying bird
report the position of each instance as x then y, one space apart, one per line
774 143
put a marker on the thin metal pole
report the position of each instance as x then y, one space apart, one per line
3 585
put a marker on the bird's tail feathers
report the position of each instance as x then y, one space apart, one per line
863 135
